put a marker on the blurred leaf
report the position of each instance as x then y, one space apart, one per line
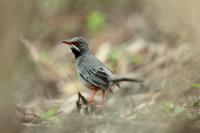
196 85
136 59
50 112
113 56
179 110
95 20
167 106
173 110
45 56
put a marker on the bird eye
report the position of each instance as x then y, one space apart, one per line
76 43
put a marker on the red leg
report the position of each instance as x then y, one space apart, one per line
103 100
91 98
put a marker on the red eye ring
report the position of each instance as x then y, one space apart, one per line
76 43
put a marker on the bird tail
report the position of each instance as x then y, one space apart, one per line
118 78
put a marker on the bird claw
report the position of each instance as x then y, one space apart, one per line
88 106
100 106
96 105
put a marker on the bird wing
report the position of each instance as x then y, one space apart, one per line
95 76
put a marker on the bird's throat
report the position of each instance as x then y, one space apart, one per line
75 52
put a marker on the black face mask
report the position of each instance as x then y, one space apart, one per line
76 52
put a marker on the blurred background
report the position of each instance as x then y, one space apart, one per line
156 39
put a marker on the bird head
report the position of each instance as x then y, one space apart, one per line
78 45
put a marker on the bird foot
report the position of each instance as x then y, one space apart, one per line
99 105
91 102
96 105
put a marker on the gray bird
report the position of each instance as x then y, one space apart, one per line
91 71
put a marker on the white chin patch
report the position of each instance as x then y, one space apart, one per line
76 48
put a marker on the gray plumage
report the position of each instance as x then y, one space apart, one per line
91 71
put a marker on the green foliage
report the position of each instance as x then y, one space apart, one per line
113 56
179 110
167 106
196 85
136 59
45 56
173 110
95 20
49 113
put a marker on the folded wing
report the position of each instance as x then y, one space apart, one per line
95 76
